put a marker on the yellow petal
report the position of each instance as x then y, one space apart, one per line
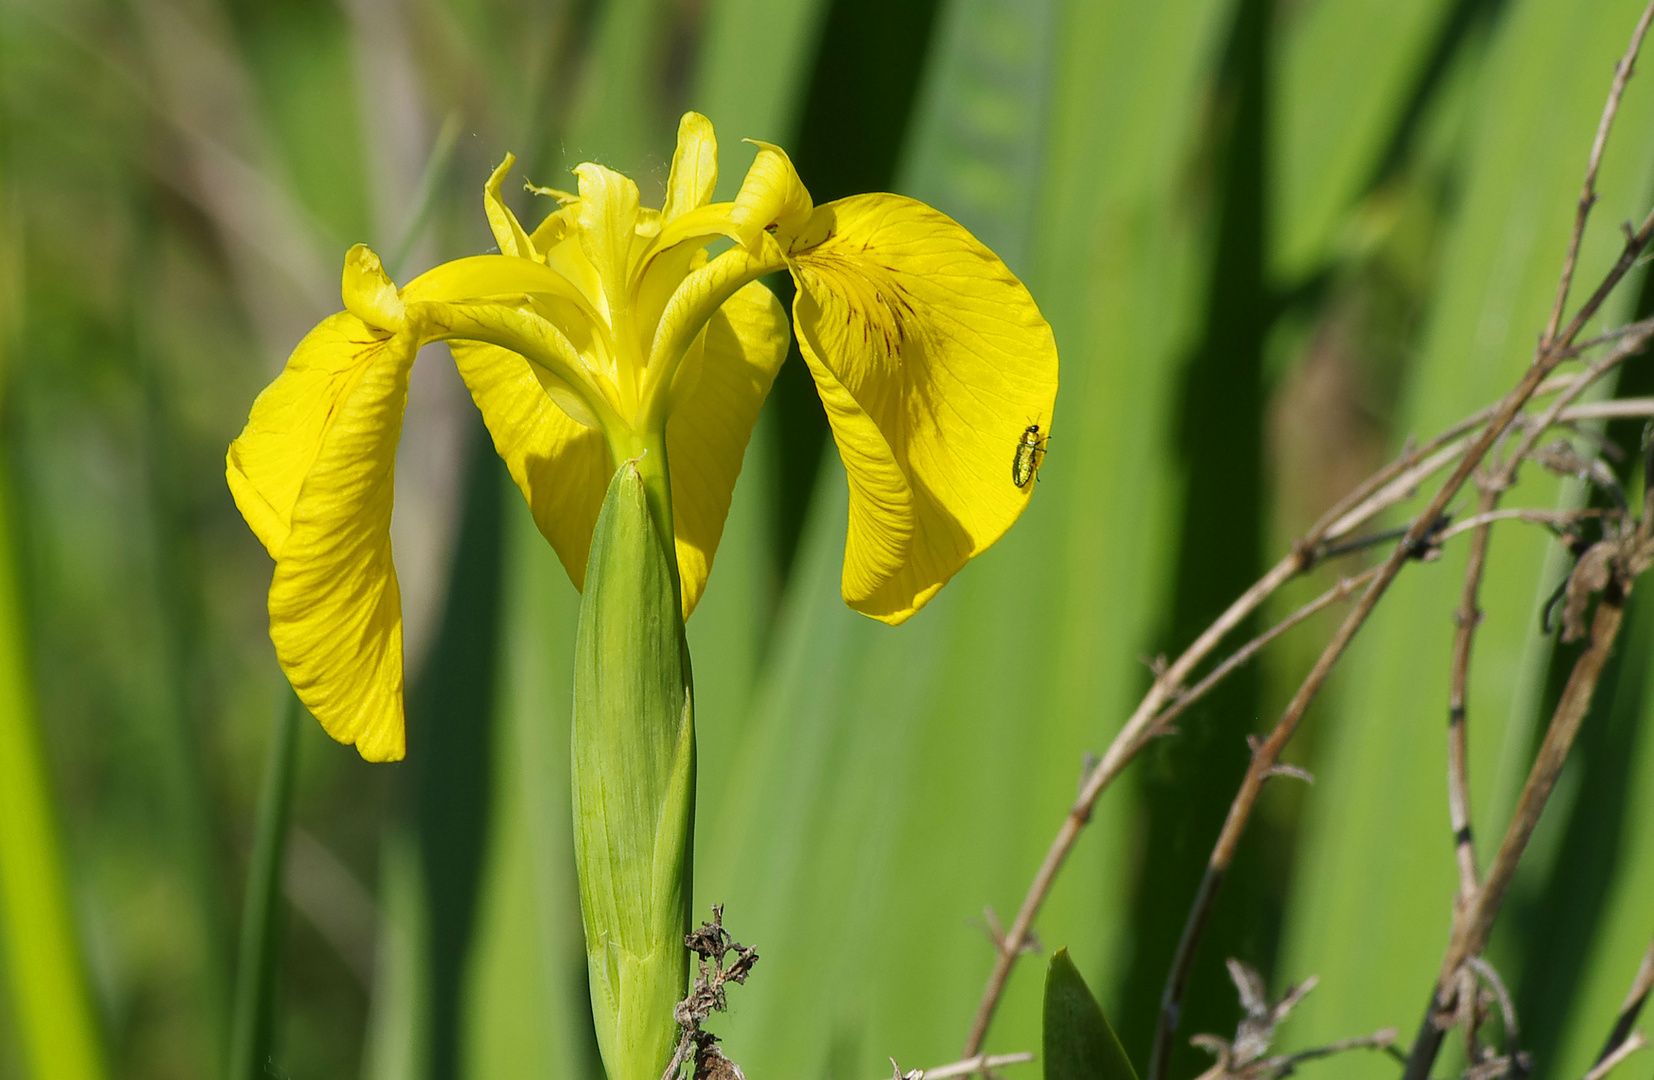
770 195
313 474
508 231
562 467
369 293
694 167
707 433
491 275
932 359
694 301
608 226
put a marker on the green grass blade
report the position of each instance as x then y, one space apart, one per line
258 961
397 1045
1078 1043
452 721
1346 74
529 1013
753 71
48 986
1372 898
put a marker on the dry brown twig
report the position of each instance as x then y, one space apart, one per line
1388 487
713 946
1166 700
1621 1033
1469 615
981 1065
1608 567
1245 1056
1634 1042
1480 906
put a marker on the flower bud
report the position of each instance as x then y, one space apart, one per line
633 784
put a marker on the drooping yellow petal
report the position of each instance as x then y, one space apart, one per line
707 434
561 466
694 167
932 359
313 473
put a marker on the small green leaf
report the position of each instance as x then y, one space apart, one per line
1079 1044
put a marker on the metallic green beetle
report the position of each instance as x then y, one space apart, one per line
1030 450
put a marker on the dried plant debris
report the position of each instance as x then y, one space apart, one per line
1615 561
1246 1056
1477 992
719 960
983 1065
1560 459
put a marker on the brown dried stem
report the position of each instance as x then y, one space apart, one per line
1554 347
976 1066
1634 1042
1466 618
1267 754
1393 484
1469 614
1641 983
1470 933
1341 591
1588 191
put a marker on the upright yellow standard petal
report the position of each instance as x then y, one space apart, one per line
932 359
313 473
694 167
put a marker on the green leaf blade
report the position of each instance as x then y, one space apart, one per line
1079 1044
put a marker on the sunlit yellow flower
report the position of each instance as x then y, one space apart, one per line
611 333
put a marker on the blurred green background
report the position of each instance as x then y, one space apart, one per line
1274 237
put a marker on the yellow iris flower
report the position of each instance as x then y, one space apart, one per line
611 333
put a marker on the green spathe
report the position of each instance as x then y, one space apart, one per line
634 784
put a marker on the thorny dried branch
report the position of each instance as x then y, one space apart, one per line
713 946
1243 1057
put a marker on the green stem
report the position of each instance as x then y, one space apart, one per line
55 1016
253 1022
